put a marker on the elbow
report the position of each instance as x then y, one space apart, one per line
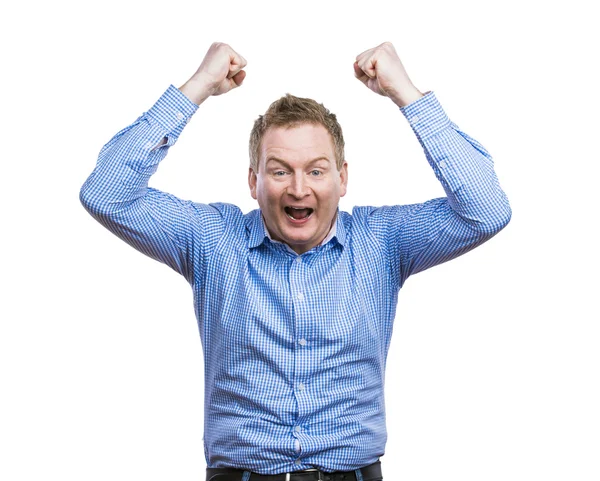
102 200
91 200
85 198
497 221
507 216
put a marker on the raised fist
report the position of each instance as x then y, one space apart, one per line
219 72
381 70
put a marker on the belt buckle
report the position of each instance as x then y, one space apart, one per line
319 472
288 475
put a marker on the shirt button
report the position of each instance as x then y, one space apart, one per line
297 429
298 260
297 461
301 386
179 116
302 342
297 445
415 119
300 296
442 164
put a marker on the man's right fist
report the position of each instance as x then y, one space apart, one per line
219 72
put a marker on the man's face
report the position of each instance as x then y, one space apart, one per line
298 185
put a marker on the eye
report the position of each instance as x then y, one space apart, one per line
279 173
315 173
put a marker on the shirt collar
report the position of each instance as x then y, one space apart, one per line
258 231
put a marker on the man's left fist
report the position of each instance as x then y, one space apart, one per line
381 70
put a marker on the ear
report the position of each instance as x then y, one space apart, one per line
344 179
252 182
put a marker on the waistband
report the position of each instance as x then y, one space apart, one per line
372 472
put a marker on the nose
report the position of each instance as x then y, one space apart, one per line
298 187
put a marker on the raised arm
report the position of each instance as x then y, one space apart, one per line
475 208
116 194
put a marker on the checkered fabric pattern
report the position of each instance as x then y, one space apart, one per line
295 346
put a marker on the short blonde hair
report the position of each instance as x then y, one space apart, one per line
290 111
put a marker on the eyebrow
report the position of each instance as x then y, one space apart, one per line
285 164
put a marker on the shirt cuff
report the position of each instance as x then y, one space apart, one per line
426 116
172 111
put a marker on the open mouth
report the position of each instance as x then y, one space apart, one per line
298 214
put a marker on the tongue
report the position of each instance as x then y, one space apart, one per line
299 213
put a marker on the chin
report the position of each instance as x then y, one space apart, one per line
297 241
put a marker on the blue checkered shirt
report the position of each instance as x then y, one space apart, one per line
295 346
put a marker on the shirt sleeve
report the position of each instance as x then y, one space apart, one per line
173 231
419 236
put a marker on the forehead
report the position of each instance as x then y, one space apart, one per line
298 142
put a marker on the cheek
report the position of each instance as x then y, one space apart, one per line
268 193
331 195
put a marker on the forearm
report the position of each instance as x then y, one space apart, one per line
129 159
117 195
462 165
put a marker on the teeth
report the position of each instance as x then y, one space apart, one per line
289 209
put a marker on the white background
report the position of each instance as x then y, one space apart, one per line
493 371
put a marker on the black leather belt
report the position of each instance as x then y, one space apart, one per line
372 472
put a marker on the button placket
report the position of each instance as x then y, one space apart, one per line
301 311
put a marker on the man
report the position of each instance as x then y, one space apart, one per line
295 301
